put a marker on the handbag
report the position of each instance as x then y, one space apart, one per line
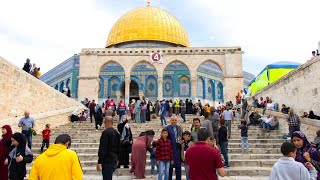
125 141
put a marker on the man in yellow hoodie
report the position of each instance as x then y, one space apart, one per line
57 162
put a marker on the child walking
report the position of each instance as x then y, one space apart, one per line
164 155
244 136
185 144
223 142
153 157
46 137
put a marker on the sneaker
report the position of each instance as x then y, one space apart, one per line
97 130
98 126
152 176
226 166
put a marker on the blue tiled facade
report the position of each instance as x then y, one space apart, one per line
144 78
65 74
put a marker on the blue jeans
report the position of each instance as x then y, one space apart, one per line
224 152
186 169
244 142
163 119
107 170
153 164
28 135
163 165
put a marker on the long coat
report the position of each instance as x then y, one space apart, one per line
175 147
125 149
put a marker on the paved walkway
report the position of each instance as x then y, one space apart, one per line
95 177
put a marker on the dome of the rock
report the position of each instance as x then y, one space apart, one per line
148 24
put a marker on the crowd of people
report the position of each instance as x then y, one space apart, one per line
301 159
202 150
32 69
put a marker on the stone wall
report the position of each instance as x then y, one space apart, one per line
19 91
308 126
299 89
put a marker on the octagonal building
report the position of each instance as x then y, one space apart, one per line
148 54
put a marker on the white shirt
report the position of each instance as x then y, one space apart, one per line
227 115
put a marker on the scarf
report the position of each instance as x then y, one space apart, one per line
124 131
306 147
7 135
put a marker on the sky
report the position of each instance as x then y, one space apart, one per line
49 32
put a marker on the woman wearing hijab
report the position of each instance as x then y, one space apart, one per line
143 112
137 112
5 144
305 151
126 142
98 117
139 153
149 110
18 157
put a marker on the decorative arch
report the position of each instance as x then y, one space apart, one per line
176 62
113 64
111 76
213 65
176 70
210 69
184 86
200 87
143 65
167 86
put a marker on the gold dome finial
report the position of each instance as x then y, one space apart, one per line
148 3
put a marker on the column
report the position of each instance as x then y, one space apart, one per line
160 90
193 88
127 90
88 88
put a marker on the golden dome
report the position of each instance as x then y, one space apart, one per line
148 23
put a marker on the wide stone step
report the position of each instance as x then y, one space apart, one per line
231 171
241 156
230 145
231 150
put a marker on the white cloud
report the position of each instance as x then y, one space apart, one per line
48 32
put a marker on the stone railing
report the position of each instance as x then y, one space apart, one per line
298 89
54 118
308 126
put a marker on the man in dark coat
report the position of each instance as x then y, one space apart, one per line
175 135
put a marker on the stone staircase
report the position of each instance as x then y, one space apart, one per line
264 148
